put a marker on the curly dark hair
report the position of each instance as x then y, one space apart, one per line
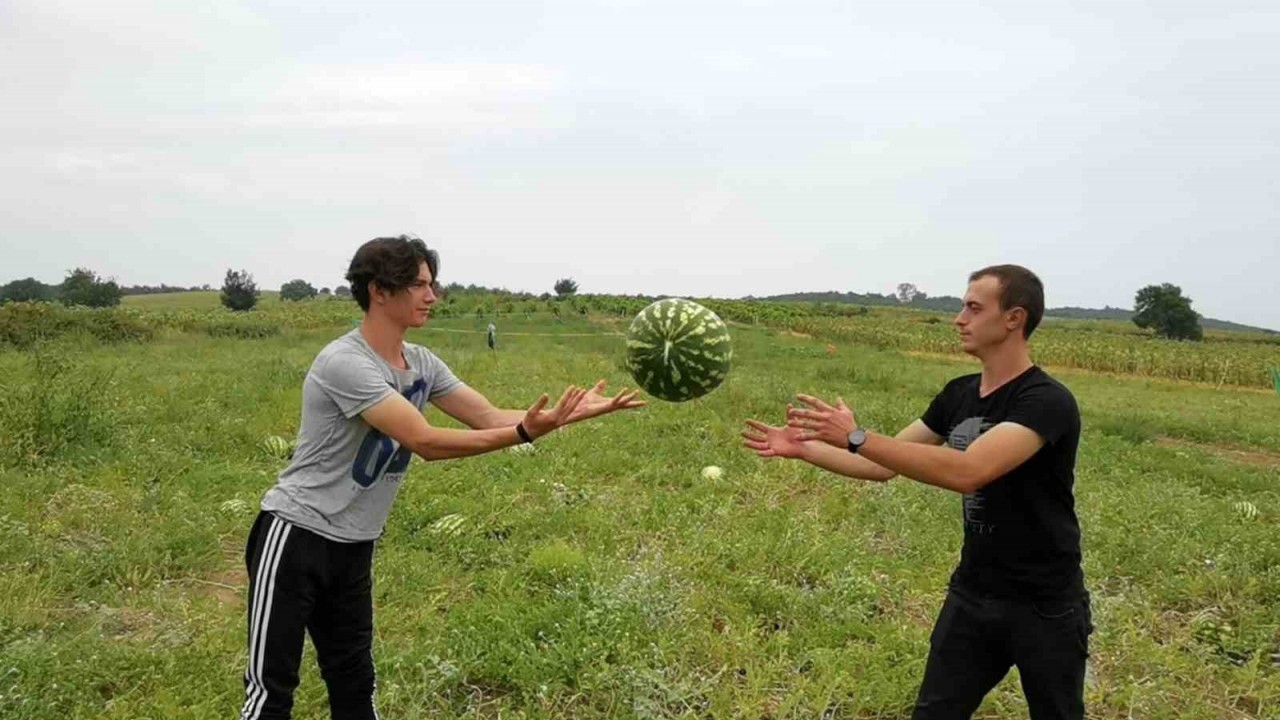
392 263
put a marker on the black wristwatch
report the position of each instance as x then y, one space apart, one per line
856 439
524 434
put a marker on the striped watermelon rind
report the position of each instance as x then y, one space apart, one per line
678 350
277 446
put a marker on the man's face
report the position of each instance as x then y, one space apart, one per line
411 307
982 324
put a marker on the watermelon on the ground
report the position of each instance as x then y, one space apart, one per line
678 350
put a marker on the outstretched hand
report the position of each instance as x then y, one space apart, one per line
820 421
769 441
539 421
595 403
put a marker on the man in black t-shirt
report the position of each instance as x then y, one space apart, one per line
1010 434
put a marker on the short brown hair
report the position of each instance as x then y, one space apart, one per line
1019 287
392 263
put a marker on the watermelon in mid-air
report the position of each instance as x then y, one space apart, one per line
678 350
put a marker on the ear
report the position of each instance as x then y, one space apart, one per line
376 293
1015 319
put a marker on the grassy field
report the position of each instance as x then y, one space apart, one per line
600 576
196 300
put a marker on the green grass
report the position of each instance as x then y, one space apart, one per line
600 576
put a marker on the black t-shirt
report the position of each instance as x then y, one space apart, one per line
1021 536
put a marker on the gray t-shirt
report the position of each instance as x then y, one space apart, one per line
345 474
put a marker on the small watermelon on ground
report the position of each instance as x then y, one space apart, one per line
678 350
1246 508
277 446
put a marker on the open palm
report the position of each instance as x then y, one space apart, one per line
769 441
595 403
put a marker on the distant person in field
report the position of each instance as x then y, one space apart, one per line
493 336
1010 433
310 551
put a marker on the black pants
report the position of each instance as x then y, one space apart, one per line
977 639
300 582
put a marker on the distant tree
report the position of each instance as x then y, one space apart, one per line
84 287
1165 309
565 287
297 290
325 291
342 291
239 292
154 289
907 292
26 290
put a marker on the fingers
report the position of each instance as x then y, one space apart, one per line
800 417
575 401
814 402
627 399
569 402
806 422
761 448
564 397
757 425
541 403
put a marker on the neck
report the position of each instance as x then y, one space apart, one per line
384 336
1005 364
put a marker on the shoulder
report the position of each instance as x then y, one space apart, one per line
422 359
341 345
419 353
1048 390
1042 382
343 355
962 383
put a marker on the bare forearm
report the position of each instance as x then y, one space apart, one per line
500 418
844 462
939 466
445 443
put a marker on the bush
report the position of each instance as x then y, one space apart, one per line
84 287
297 290
239 292
22 325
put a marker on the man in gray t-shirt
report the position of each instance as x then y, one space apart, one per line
310 552
345 473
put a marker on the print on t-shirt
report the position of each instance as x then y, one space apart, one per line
961 437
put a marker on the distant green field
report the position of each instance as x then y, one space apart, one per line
601 577
195 299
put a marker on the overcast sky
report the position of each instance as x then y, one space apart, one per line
695 147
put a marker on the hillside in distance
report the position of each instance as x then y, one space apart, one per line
950 303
